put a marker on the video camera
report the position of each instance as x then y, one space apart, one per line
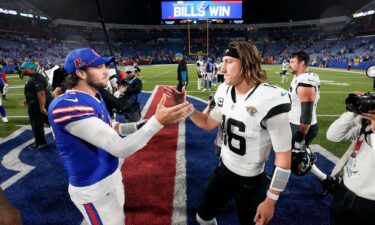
362 103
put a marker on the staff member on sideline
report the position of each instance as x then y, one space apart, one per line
182 72
37 99
89 147
354 198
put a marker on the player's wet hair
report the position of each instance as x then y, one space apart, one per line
301 56
251 61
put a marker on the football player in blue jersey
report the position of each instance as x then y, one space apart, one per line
89 147
253 116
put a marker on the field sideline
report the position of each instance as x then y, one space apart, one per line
336 85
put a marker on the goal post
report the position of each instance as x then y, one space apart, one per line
203 51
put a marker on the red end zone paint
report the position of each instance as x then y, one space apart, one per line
149 176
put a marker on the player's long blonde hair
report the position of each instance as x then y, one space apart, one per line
251 69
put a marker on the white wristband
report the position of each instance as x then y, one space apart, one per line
272 196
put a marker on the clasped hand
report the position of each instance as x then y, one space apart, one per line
167 115
176 96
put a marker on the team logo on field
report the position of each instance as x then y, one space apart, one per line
251 110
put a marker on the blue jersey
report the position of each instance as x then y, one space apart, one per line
209 67
85 163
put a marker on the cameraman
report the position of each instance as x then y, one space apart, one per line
354 198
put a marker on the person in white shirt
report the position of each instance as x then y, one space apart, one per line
284 69
200 72
354 198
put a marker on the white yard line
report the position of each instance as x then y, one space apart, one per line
337 70
325 153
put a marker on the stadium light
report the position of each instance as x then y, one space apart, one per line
367 13
169 22
8 11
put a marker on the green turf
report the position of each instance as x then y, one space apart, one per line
330 106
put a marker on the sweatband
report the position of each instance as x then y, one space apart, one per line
306 112
127 128
232 52
279 179
272 196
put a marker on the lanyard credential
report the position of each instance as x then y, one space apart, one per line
362 136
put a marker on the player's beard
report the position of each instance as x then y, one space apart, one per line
97 84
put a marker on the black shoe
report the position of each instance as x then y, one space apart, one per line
4 97
37 146
328 185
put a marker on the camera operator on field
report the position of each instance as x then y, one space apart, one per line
354 198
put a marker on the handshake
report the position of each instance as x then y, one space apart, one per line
176 96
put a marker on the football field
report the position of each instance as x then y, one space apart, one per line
336 84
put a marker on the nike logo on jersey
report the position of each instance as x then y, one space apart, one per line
283 93
71 100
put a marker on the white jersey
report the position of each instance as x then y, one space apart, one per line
247 142
218 68
285 66
310 79
358 171
200 65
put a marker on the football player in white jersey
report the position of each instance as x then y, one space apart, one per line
284 69
254 118
304 92
89 147
200 72
218 73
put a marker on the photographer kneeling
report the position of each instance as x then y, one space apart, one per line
354 198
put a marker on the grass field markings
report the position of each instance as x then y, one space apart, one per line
17 116
338 84
328 155
16 86
326 115
12 77
162 73
336 92
337 70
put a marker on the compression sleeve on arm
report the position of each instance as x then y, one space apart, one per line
306 112
98 133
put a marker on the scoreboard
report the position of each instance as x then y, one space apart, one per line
201 10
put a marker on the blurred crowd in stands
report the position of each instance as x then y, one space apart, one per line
46 43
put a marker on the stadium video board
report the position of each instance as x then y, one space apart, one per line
201 10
